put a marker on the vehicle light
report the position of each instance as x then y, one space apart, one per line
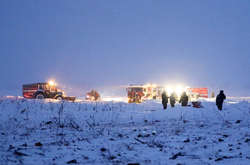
52 83
170 90
179 90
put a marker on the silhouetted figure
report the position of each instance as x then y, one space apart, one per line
164 97
184 99
172 99
220 99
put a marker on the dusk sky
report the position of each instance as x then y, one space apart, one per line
85 44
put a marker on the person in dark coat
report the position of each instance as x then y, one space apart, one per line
184 99
220 99
172 99
164 97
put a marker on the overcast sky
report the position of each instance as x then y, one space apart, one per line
86 44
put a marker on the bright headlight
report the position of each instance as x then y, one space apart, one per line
169 90
52 83
179 90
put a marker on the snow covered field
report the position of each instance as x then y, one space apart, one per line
50 132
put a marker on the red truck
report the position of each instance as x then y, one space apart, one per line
93 95
135 94
44 90
198 92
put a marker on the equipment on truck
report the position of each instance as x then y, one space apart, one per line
149 91
138 93
152 91
135 93
93 95
44 90
158 91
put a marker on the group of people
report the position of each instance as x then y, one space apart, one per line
184 99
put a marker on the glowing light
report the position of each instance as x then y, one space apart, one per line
10 97
115 99
52 83
179 90
170 90
148 85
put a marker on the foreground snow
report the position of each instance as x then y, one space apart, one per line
48 132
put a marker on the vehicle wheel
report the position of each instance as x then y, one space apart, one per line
59 98
40 96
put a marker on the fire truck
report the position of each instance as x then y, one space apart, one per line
141 92
44 90
93 95
135 93
152 91
198 92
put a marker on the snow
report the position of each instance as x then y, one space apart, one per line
109 132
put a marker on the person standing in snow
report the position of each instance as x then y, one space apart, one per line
184 99
164 97
172 99
220 99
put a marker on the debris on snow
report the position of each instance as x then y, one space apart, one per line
38 144
175 156
238 121
18 153
187 140
72 161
